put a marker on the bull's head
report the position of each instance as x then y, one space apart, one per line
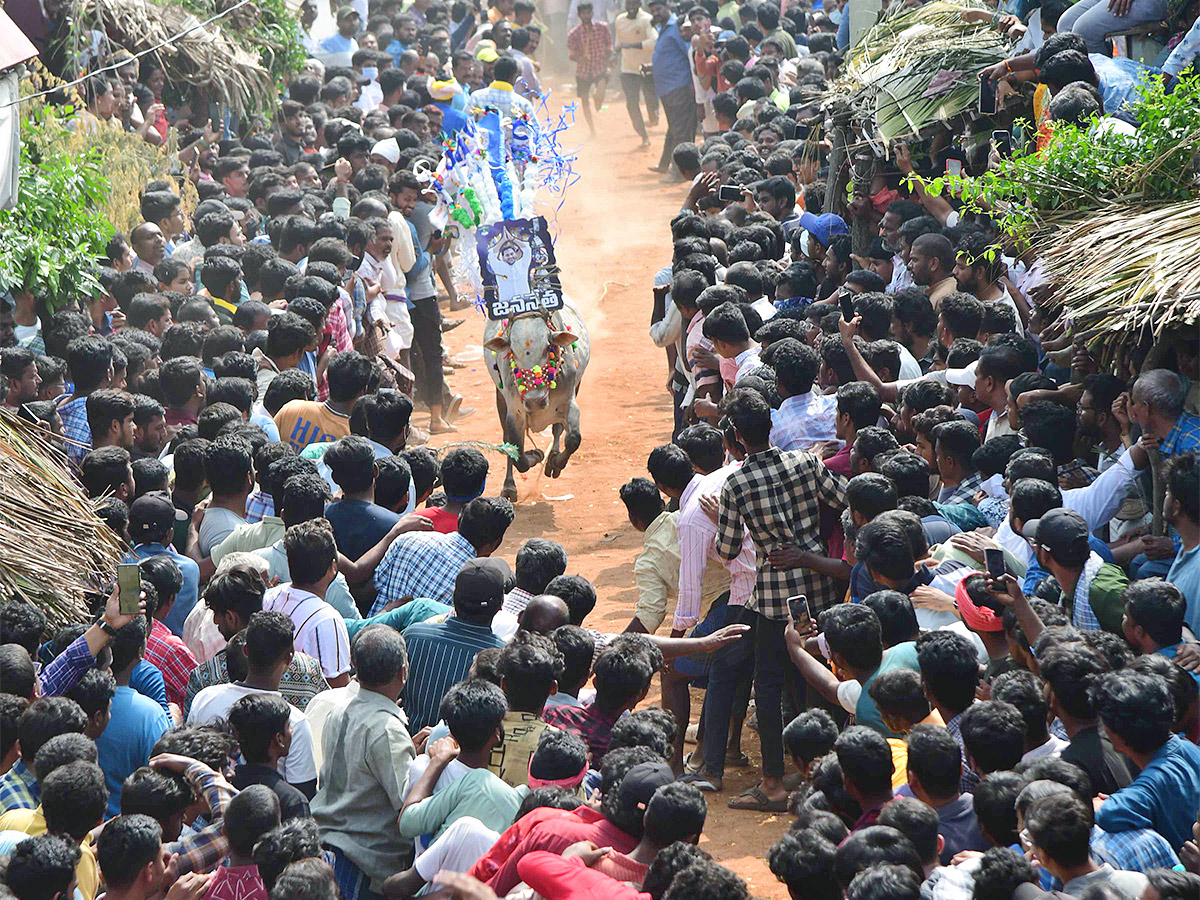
527 343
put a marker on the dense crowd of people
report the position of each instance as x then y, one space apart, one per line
906 530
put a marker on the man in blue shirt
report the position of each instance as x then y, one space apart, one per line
1137 713
151 523
1181 508
135 722
1153 619
672 82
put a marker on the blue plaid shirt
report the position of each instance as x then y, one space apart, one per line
73 413
421 564
1184 437
19 789
259 505
1136 850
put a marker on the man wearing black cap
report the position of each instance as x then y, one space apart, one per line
151 522
441 652
1089 589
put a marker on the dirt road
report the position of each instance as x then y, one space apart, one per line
613 234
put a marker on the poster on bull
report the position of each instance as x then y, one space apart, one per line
519 273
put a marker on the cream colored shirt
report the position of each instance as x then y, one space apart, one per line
638 30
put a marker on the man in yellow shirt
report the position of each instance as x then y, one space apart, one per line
900 698
74 799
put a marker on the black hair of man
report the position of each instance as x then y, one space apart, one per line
994 802
1183 479
993 734
348 374
530 666
484 521
959 440
870 494
915 820
88 361
464 474
644 729
538 562
178 380
21 622
577 649
1024 691
935 757
897 617
63 749
1001 871
898 694
866 760
810 735
293 840
854 633
577 592
886 550
11 708
704 445
1060 825
351 462
256 719
796 366
474 710
858 400
104 470
949 669
912 309
45 718
252 813
128 844
1051 426
311 550
1136 708
804 861
288 385
42 867
74 798
622 677
641 498
559 755
670 466
676 812
391 482
872 845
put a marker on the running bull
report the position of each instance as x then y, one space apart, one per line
537 361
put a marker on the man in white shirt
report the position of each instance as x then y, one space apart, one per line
268 649
805 416
320 630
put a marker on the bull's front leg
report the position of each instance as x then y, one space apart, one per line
514 433
570 444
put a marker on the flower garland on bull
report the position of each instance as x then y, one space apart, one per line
526 380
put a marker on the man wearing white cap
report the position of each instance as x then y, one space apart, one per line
386 153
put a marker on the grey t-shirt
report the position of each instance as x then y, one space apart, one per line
218 524
420 285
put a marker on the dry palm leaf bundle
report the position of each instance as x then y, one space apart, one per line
917 68
1123 273
53 547
202 57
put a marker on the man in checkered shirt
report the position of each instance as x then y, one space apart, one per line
775 496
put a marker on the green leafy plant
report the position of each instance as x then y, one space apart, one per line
51 237
1088 168
267 28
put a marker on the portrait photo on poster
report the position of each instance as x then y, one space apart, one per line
519 273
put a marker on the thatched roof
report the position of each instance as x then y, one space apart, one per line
1124 274
53 546
205 57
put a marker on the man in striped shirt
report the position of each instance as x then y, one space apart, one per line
441 653
320 629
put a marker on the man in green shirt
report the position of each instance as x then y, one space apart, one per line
367 750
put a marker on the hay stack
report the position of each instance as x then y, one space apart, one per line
53 546
204 58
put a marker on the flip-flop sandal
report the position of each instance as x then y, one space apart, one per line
701 782
756 800
688 768
741 761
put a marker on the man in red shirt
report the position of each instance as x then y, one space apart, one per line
464 475
618 823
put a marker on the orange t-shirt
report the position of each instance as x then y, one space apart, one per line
304 422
